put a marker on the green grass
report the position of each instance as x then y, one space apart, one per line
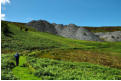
12 72
74 59
32 68
23 73
60 70
7 64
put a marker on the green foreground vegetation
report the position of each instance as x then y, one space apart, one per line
22 72
46 56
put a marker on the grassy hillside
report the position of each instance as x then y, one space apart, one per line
32 68
36 46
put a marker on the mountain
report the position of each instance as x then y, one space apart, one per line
77 32
69 31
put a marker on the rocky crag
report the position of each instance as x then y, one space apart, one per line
74 32
110 36
42 26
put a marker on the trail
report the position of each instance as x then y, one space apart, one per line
23 73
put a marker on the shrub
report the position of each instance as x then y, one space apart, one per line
5 28
7 64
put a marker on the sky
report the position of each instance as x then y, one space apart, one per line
79 12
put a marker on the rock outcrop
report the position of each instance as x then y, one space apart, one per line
42 26
74 32
110 36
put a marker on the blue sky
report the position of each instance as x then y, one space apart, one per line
79 12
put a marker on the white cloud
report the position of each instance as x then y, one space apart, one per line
2 16
5 1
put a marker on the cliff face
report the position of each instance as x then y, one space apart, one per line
74 32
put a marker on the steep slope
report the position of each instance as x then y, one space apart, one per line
69 31
75 32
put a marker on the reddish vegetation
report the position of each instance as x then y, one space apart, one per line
104 29
83 56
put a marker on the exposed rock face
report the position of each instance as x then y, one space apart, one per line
42 26
110 36
75 32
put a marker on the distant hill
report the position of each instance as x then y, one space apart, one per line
69 31
92 29
78 32
75 32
